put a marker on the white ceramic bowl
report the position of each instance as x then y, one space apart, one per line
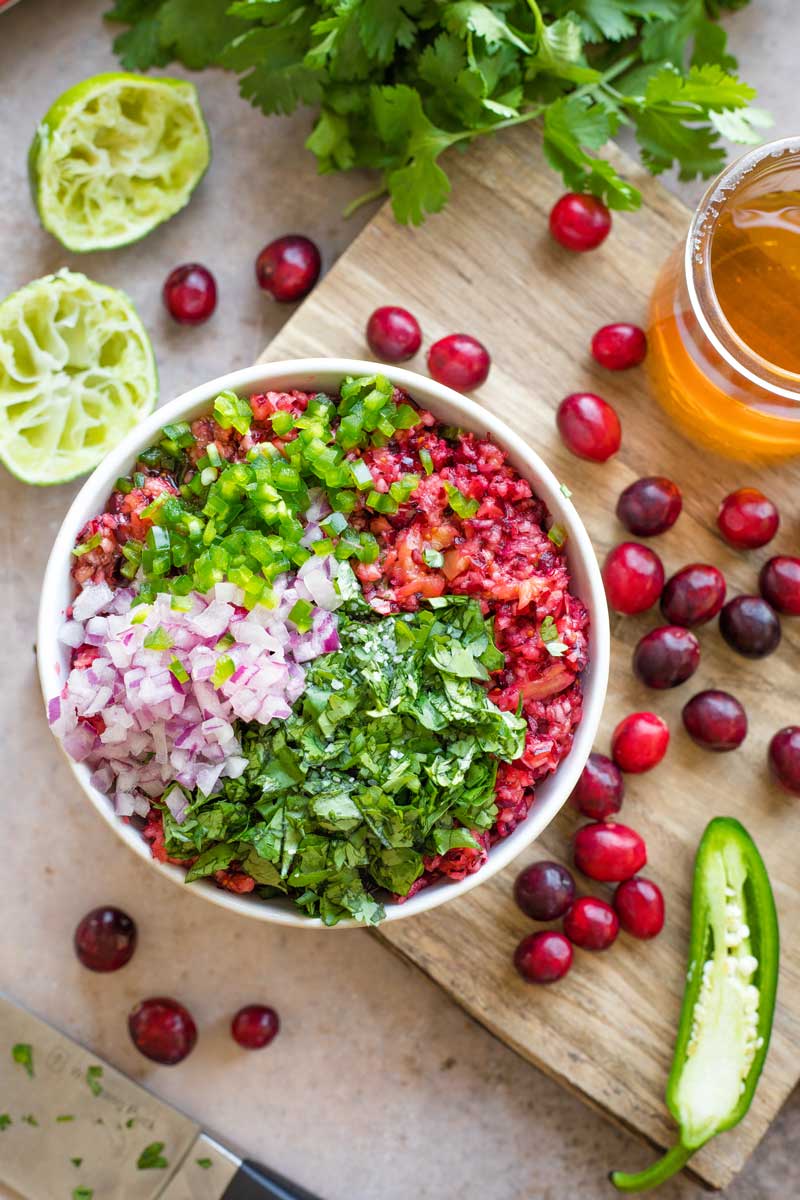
325 374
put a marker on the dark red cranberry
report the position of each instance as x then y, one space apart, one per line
650 506
393 334
589 427
544 890
619 346
715 720
750 626
633 576
639 742
609 852
543 957
639 905
747 519
190 294
599 791
162 1030
289 267
579 222
105 939
779 583
693 595
666 657
459 361
254 1026
784 758
591 924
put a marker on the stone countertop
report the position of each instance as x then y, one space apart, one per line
377 1085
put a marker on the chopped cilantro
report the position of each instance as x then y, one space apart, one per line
62 1118
205 1163
30 1119
82 1193
76 1162
22 1054
151 1158
93 1077
5 1121
548 632
131 1121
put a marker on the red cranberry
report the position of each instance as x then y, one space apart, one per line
619 346
715 720
666 656
190 294
393 334
544 890
633 577
543 957
784 758
162 1030
599 791
693 595
459 361
579 222
639 905
650 506
591 924
747 519
589 427
609 852
750 626
105 939
639 742
289 267
254 1026
779 583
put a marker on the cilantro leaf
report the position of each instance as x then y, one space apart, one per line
22 1054
93 1077
419 186
5 1121
152 1158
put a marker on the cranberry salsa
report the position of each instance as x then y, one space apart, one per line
322 647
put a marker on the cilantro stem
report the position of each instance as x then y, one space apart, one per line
367 198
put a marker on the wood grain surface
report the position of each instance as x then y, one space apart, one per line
487 266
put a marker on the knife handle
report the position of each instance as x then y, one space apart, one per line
254 1182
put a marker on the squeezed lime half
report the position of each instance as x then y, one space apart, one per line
77 372
115 156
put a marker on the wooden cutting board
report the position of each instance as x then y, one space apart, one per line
487 266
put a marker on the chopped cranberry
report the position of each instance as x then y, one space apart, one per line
543 957
162 1030
255 1026
666 657
639 742
609 852
784 758
190 294
599 791
715 720
393 334
589 427
750 626
459 361
579 222
633 576
639 905
619 346
544 890
105 939
591 924
779 584
747 519
289 267
650 506
693 595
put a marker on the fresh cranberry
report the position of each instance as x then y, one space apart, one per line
105 939
544 890
747 519
393 334
633 576
639 742
289 267
190 294
599 791
589 427
609 852
666 656
693 595
715 720
543 957
639 905
779 583
619 346
650 506
162 1030
750 626
459 361
784 758
579 222
254 1026
591 924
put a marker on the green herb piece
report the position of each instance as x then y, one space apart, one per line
5 1121
432 558
223 670
548 632
93 1077
232 411
131 1121
30 1119
151 1158
82 1193
461 505
426 460
157 639
76 1162
205 1163
91 544
22 1054
557 535
64 1117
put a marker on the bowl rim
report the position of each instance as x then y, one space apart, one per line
281 375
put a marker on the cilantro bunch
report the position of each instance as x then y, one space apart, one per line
396 83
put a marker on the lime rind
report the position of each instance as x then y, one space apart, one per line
116 156
77 372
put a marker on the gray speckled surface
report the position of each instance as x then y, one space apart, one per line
377 1085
